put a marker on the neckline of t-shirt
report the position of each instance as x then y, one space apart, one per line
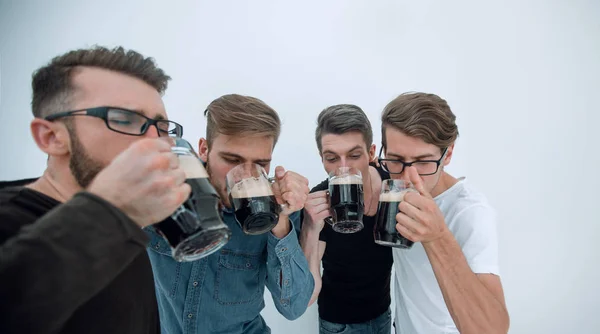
32 193
455 187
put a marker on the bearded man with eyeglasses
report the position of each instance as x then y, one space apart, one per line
72 250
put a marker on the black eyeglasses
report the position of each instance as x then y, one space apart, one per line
424 167
125 121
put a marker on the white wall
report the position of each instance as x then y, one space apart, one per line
520 75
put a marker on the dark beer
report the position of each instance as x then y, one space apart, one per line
196 229
347 203
385 232
256 209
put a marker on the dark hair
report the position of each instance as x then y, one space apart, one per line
52 86
420 115
238 115
343 118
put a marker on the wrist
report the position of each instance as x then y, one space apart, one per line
283 227
444 237
311 229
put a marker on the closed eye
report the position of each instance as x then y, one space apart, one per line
120 121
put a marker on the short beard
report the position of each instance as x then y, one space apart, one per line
83 167
215 183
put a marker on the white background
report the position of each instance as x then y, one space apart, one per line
521 76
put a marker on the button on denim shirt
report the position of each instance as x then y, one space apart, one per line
224 292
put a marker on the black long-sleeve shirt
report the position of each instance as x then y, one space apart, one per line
74 267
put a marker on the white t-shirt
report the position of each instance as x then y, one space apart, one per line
420 306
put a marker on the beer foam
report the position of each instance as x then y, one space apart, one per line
347 179
192 167
251 187
397 196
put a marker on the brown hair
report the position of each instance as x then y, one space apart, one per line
52 86
240 115
343 118
424 116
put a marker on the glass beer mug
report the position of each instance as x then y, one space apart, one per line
251 196
385 233
196 229
346 200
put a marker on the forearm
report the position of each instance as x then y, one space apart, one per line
472 306
58 263
288 277
309 240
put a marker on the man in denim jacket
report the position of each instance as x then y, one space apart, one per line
223 292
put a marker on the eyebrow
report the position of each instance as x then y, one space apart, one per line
239 157
419 157
158 117
350 150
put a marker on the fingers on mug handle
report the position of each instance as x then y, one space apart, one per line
285 207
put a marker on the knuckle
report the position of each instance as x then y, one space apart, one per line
399 228
159 162
180 195
165 182
288 196
180 176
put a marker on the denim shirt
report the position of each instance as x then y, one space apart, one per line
224 292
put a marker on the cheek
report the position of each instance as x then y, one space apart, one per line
331 166
218 171
359 163
430 181
96 146
430 184
115 149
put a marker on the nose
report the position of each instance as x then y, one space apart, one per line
152 132
404 175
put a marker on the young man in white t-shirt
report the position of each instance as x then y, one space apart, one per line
448 282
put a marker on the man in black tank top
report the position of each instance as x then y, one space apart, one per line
354 292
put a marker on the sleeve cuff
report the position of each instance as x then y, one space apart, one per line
485 269
286 245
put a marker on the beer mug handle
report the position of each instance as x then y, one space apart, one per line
285 208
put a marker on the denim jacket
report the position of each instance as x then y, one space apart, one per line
224 292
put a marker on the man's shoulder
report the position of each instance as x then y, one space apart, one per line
13 196
462 195
12 200
7 195
16 183
324 185
13 215
467 210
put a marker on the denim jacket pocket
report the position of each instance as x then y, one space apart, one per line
239 280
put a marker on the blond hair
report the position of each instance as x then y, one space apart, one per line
238 115
421 115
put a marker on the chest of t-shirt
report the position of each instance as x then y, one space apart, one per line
355 250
